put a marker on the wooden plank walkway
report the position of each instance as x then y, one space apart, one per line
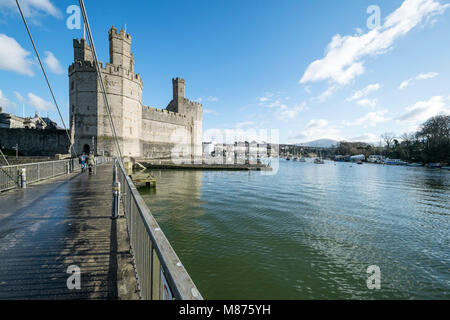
50 226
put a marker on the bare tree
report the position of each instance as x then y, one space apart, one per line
388 138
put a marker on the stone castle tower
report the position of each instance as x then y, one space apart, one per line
142 131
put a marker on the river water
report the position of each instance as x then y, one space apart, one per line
309 231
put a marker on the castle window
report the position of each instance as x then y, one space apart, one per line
72 85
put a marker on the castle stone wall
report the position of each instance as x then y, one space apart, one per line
35 142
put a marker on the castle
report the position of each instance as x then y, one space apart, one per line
142 131
11 121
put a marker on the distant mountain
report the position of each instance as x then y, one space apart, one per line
321 143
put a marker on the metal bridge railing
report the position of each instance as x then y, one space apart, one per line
159 272
10 176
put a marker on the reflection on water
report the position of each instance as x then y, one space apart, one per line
309 232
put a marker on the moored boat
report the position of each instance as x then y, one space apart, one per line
318 161
414 164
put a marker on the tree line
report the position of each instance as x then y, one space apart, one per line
431 143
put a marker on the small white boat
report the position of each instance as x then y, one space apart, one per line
318 161
414 164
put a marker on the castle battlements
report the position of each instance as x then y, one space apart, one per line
112 69
81 66
192 103
121 34
152 110
108 69
80 43
179 80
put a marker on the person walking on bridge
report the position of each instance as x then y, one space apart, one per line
91 162
83 159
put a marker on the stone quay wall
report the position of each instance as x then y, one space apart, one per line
35 142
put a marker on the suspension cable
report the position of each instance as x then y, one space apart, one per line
4 158
99 73
46 78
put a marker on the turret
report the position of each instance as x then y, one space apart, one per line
82 51
120 49
178 89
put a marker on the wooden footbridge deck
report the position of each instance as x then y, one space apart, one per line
53 230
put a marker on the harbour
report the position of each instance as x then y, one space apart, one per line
315 238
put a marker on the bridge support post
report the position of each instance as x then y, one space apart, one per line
116 192
23 178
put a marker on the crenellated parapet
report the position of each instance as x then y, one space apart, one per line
191 103
81 66
122 35
163 115
80 43
108 69
113 70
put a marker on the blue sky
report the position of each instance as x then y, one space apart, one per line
311 69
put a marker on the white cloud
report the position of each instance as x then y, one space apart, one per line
314 130
345 55
33 8
316 124
19 97
364 92
366 137
39 103
13 57
368 103
244 124
371 119
4 102
286 113
281 110
209 111
209 99
423 110
422 76
326 94
53 63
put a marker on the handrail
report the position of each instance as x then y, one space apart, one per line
156 263
39 171
55 161
34 163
